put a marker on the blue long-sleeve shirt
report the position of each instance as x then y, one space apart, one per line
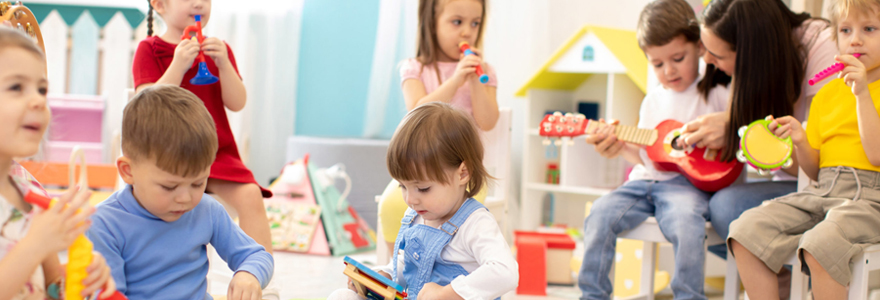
153 259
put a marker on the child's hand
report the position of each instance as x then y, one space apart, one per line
467 67
244 286
55 228
185 54
99 278
854 74
431 291
604 140
787 126
216 49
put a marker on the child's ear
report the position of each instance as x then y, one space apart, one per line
464 176
158 6
123 164
700 48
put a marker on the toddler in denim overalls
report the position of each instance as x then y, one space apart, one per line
449 245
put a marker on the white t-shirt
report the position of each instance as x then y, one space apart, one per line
480 248
662 104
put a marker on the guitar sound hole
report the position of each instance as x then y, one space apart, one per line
674 143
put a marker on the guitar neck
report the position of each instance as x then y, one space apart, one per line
629 134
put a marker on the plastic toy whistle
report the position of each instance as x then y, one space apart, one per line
837 67
466 49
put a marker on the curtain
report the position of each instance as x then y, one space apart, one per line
395 41
264 35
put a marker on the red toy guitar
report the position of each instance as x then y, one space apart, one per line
700 166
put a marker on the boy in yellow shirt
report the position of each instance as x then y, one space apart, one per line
829 224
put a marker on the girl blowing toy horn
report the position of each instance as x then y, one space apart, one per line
204 76
466 49
836 67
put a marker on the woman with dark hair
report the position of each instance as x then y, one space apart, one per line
766 54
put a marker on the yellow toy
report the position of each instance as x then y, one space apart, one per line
79 254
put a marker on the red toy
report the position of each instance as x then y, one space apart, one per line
836 67
204 76
466 49
542 258
702 167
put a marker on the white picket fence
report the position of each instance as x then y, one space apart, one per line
85 59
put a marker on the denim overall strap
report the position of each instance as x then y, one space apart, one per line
469 206
405 223
423 246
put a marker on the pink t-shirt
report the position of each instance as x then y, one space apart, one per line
412 69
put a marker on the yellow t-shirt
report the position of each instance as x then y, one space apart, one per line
833 126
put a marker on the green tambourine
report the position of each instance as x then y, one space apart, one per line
762 149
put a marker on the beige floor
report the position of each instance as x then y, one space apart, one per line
300 276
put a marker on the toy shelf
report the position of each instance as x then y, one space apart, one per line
584 175
597 65
555 188
76 120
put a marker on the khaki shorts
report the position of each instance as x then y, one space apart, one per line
833 221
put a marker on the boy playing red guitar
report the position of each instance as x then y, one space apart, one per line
670 37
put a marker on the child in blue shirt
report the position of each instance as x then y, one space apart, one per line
154 232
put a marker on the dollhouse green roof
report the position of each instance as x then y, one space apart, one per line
592 50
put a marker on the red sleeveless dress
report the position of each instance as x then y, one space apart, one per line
152 58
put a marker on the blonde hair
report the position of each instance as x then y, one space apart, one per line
14 38
171 125
841 8
433 138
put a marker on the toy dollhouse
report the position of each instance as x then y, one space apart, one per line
597 66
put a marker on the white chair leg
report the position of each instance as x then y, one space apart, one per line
800 282
858 286
648 265
731 279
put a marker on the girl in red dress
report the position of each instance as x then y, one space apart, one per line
166 59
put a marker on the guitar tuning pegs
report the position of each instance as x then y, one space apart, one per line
546 142
558 142
552 118
557 114
559 128
571 142
570 129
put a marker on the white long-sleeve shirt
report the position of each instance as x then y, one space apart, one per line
480 248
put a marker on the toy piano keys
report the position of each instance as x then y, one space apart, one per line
370 284
763 150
